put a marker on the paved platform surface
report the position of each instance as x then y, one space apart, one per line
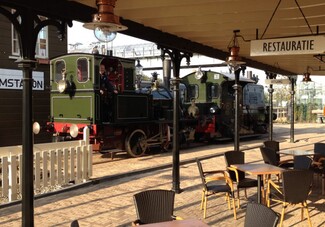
109 202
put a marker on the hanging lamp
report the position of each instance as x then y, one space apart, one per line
105 23
234 60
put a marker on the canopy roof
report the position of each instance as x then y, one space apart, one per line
206 26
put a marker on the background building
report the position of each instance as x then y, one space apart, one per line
48 46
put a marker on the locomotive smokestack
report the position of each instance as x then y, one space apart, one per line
167 73
249 74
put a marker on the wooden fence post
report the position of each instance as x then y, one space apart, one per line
12 195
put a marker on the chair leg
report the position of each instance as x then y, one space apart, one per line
205 207
268 200
263 195
234 206
282 215
228 200
238 202
202 200
246 194
308 217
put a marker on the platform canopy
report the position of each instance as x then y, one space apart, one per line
206 27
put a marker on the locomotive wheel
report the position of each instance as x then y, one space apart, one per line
136 143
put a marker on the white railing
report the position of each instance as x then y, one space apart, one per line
55 165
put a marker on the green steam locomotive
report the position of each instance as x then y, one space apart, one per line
135 118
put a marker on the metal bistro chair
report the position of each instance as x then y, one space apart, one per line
215 182
318 163
302 162
294 189
154 206
237 176
258 215
270 157
273 147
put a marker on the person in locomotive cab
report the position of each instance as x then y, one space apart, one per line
154 81
193 110
106 87
106 91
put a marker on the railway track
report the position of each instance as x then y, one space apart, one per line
121 155
281 133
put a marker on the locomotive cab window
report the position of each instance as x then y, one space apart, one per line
209 91
215 91
193 91
82 69
59 68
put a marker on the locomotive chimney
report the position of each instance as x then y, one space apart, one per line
249 74
166 73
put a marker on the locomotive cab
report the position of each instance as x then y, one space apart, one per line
75 90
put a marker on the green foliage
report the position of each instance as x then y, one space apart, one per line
302 111
298 111
266 98
146 78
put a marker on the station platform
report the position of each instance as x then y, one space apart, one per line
107 200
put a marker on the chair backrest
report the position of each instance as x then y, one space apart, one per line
319 149
154 205
296 185
269 156
260 215
301 162
199 166
275 146
235 157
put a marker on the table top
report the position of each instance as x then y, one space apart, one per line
180 223
297 152
258 169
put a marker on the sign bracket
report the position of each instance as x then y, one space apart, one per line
276 8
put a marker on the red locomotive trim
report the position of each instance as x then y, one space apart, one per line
63 127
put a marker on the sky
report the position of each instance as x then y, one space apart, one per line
78 34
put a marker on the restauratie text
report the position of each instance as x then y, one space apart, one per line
288 46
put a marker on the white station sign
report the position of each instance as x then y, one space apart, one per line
13 79
288 46
277 81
